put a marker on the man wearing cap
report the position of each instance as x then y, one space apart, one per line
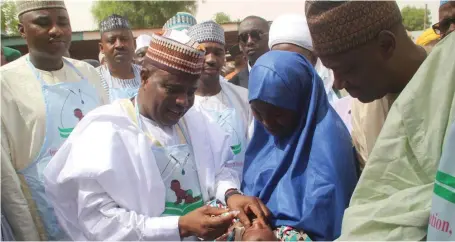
142 168
253 39
392 199
385 61
142 43
40 92
222 102
180 21
120 77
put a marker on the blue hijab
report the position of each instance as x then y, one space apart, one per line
306 179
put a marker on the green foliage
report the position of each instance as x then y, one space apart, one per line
413 18
221 18
142 14
9 20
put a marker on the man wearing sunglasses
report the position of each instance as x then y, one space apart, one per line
253 42
446 19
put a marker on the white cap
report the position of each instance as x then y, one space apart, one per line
290 29
142 41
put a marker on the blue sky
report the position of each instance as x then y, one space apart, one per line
82 20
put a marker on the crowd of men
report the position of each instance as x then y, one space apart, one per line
332 125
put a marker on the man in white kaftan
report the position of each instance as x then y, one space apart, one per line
222 102
141 169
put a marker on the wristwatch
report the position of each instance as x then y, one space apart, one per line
230 193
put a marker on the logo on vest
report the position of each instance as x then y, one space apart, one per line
440 225
65 132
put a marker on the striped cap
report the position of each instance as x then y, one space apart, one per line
180 21
176 53
113 22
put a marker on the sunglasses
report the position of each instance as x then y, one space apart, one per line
255 35
443 26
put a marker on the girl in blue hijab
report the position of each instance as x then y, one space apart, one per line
300 161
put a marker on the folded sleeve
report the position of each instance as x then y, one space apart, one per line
101 218
99 187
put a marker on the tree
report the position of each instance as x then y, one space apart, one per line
9 18
413 18
221 18
142 14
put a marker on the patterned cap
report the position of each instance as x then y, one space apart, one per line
114 22
31 5
338 26
176 53
207 31
180 21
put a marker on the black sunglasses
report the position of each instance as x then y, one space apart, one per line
443 26
256 35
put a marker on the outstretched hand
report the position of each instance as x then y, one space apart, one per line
205 223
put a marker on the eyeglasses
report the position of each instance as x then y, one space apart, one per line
443 26
256 35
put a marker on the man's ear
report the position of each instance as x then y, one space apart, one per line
21 29
387 43
100 45
145 75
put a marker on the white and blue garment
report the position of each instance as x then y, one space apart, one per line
230 110
175 161
117 88
66 104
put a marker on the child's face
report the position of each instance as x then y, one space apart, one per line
259 232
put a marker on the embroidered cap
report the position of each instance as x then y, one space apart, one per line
31 5
207 31
114 22
339 26
181 21
176 53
